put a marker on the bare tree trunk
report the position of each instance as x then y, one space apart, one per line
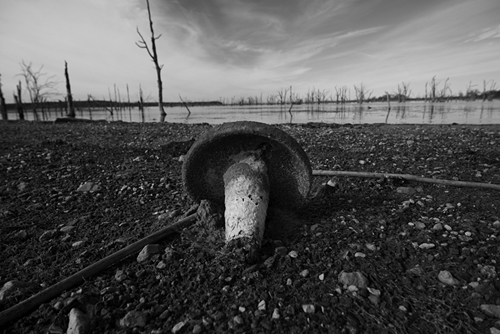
154 56
3 106
69 97
141 104
19 102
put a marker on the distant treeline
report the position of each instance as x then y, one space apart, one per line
104 104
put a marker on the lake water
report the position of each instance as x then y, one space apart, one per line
477 112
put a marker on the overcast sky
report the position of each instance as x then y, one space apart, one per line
224 48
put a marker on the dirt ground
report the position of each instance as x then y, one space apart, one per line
363 256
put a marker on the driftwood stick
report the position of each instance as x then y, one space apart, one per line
409 178
27 306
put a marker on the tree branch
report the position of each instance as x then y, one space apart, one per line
409 178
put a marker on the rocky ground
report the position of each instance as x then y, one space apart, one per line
364 255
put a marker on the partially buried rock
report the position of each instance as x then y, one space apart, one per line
491 310
356 279
134 319
148 251
11 286
447 278
78 322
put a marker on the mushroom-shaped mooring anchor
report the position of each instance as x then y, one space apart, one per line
247 166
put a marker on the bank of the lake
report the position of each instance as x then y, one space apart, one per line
364 256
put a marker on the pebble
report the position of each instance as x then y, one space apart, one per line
77 244
437 227
88 186
491 310
148 251
120 275
276 314
355 278
496 224
11 286
178 326
494 330
238 320
134 319
371 247
426 245
262 305
304 273
359 254
321 277
78 322
447 278
420 225
293 254
447 227
308 308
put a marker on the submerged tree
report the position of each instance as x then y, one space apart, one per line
69 97
38 90
3 106
154 56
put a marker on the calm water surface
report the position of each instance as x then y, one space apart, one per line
477 112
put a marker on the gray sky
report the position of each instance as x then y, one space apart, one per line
224 48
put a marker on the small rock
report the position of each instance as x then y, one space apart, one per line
491 310
494 330
148 251
276 314
355 278
420 225
304 273
308 308
78 322
134 319
359 254
238 320
120 275
161 265
447 278
426 245
437 227
197 329
371 247
77 244
447 227
293 254
496 224
11 286
178 326
262 305
321 277
88 186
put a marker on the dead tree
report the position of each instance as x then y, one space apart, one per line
19 101
37 90
488 92
154 56
282 93
3 106
404 92
446 88
362 94
69 97
433 89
